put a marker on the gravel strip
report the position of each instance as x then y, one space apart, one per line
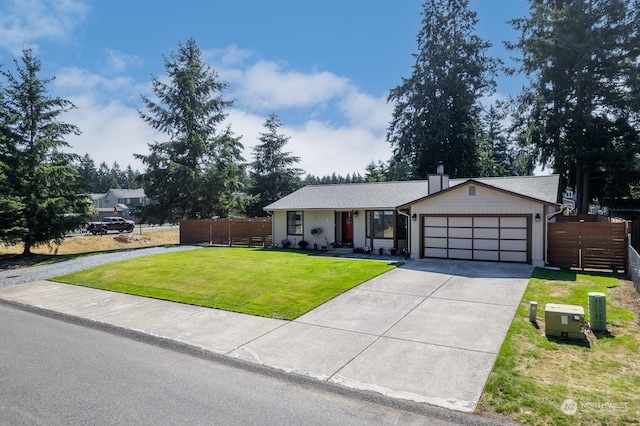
44 272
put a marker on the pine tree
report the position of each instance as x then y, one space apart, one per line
189 109
40 184
88 173
494 153
582 108
436 110
273 174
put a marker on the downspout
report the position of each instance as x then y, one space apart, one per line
546 226
409 230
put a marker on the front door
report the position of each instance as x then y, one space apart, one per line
347 228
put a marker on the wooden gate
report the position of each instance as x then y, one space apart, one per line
588 245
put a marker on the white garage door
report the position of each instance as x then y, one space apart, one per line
497 238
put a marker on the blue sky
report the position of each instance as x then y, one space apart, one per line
325 68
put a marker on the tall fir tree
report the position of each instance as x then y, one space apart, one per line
581 110
40 181
495 156
436 111
273 173
188 110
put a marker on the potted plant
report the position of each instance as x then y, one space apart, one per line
381 251
303 244
285 243
316 231
392 251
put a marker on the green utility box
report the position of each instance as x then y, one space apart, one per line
564 321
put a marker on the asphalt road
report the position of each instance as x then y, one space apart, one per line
57 372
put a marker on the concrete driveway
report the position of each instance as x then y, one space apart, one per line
429 331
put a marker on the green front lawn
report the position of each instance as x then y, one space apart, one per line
266 282
533 376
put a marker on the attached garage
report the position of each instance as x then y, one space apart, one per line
501 238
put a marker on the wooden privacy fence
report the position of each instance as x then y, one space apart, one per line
254 232
588 245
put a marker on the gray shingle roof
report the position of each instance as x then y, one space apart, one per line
388 195
127 193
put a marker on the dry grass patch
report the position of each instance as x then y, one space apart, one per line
87 243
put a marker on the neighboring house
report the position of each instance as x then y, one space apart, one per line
119 201
499 219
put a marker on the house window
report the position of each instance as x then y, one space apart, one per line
380 223
294 223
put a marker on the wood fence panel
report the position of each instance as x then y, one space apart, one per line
254 232
604 245
588 245
564 250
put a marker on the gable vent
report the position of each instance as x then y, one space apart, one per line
472 190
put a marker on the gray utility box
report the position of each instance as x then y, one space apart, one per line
564 321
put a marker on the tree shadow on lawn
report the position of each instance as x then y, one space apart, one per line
570 274
324 253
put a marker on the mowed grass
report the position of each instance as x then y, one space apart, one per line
265 282
533 375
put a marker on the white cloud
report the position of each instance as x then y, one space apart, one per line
343 139
118 61
367 111
268 85
76 81
110 132
23 22
322 148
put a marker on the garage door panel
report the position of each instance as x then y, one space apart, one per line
466 222
513 256
435 252
435 242
513 222
486 255
436 221
460 232
486 244
435 232
486 222
513 245
460 243
493 233
460 254
513 234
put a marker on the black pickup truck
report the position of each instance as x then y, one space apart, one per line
110 224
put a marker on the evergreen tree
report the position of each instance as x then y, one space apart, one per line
273 174
39 183
105 178
436 110
88 173
581 110
375 172
494 153
189 109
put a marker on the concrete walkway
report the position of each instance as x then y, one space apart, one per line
429 331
